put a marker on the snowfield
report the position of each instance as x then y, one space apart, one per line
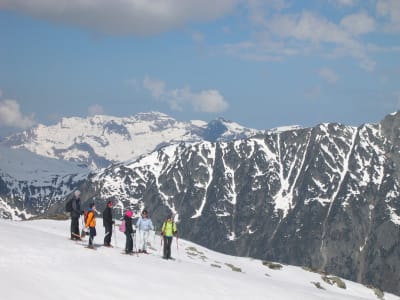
38 261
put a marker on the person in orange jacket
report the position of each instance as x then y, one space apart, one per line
91 224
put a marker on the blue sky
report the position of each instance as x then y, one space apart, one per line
262 64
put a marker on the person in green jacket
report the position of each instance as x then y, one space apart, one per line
168 230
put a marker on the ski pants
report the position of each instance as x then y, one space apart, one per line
129 243
143 238
75 228
167 246
92 234
108 234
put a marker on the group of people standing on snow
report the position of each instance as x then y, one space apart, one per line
143 227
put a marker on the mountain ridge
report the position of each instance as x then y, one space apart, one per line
101 140
326 197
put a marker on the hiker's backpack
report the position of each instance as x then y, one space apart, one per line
68 205
122 226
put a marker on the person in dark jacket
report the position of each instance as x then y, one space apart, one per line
75 214
108 223
128 232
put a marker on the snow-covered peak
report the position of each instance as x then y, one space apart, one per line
100 140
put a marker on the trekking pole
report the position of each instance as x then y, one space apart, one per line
115 235
161 244
83 233
134 241
177 247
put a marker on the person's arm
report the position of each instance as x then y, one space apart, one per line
163 229
174 230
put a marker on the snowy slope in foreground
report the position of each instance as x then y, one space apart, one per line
39 262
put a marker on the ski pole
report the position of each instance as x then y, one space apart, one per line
177 247
134 241
83 234
115 235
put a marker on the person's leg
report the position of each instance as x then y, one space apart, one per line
169 247
165 247
129 242
107 236
75 228
72 229
92 234
145 239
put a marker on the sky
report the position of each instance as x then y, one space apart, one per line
51 264
263 64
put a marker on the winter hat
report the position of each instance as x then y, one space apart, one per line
77 193
109 203
129 214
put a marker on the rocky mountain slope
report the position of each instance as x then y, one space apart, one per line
325 197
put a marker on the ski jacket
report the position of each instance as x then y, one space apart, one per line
144 224
76 208
128 225
168 229
91 219
107 216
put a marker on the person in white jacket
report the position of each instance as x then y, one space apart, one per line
143 227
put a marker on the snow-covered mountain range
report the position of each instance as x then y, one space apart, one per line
326 197
50 267
100 140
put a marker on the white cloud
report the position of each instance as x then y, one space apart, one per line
137 17
155 86
95 109
344 2
209 101
391 10
307 33
328 75
11 116
358 24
